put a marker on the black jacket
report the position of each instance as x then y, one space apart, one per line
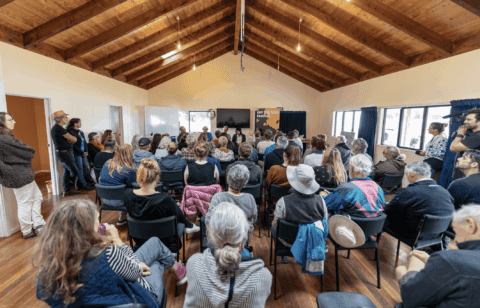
345 153
465 190
77 151
92 152
234 138
274 158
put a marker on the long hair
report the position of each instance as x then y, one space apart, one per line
292 152
3 126
136 138
72 123
123 159
68 237
106 134
155 142
164 142
333 160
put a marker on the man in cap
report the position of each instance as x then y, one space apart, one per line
63 142
143 152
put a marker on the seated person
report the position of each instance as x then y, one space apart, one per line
263 145
467 190
182 142
309 149
188 153
223 153
172 162
217 139
345 151
162 150
201 172
94 146
245 150
106 154
144 145
298 140
395 164
148 204
203 137
359 146
209 135
422 196
237 178
254 156
258 138
210 273
239 137
78 266
324 137
275 158
360 197
157 138
118 171
331 173
291 140
447 278
270 149
316 157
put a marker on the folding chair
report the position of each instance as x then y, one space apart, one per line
97 172
276 191
392 180
116 192
256 192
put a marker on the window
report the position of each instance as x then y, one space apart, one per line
194 121
408 127
346 121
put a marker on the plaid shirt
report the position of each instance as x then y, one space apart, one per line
188 155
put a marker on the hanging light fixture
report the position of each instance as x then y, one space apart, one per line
194 62
298 46
278 62
178 32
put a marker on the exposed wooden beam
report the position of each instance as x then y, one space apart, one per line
321 8
316 37
284 70
238 25
150 69
5 2
67 20
139 21
191 21
186 69
405 24
154 55
292 43
289 65
471 5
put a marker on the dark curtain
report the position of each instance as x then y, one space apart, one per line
290 120
368 128
449 160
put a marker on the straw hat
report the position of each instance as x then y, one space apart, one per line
345 231
58 114
302 179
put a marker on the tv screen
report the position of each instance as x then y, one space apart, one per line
233 118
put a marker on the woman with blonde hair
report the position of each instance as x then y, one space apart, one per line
201 172
117 171
332 172
223 153
81 262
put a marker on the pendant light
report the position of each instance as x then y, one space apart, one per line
178 32
298 46
194 62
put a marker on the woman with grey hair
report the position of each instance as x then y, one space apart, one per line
226 273
395 164
162 150
136 138
237 178
223 153
205 130
188 153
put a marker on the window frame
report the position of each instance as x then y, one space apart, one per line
424 123
343 120
188 131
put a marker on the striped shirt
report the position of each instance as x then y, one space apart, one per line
125 263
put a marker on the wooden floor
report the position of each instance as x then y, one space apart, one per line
358 274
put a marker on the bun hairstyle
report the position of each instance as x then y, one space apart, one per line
394 153
440 127
172 148
201 150
148 172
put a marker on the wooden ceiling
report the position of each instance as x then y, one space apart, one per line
342 42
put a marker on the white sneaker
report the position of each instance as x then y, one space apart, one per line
194 229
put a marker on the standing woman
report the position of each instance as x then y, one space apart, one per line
94 146
16 172
80 152
436 148
107 134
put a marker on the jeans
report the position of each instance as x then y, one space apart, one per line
29 200
70 171
82 165
159 258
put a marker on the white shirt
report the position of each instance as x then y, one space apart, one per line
263 145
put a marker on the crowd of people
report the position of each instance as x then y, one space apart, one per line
75 252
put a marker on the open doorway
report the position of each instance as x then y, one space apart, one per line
116 123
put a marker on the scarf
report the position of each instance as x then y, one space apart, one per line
98 145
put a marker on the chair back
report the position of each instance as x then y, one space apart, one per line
145 229
116 192
254 190
224 164
287 231
97 172
433 225
371 226
277 191
172 176
391 180
260 157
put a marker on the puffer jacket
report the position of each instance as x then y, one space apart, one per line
197 199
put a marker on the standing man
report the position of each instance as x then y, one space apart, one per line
467 138
64 148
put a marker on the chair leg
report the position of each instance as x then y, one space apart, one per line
178 259
321 281
271 248
348 255
398 247
275 277
378 267
336 269
100 215
184 248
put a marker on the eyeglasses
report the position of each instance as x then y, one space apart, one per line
12 120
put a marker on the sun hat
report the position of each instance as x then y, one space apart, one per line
345 231
302 179
58 114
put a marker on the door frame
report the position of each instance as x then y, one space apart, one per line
120 119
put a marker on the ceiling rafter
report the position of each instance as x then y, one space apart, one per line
238 24
136 22
5 2
471 5
320 11
318 38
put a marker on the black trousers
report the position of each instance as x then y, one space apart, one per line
70 171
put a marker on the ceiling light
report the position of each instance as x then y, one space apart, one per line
299 22
278 62
178 32
194 62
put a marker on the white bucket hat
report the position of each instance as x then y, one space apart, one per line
302 179
345 231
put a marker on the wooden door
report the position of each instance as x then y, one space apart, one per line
116 123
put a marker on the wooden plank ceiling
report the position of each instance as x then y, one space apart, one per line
341 42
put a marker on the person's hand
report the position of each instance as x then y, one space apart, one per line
324 193
85 153
112 233
415 264
423 153
462 130
422 255
145 269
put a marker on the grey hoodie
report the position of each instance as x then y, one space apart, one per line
139 155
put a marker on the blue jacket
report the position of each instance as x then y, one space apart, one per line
139 155
102 286
172 162
269 150
309 247
210 137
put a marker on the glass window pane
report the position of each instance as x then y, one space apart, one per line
411 130
348 121
356 125
184 119
390 131
435 114
338 129
199 119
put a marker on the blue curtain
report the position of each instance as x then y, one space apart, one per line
290 120
368 128
449 159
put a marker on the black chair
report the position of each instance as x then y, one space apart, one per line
370 226
287 231
430 232
256 192
161 228
223 172
276 191
97 172
392 180
116 192
260 157
159 187
330 189
343 300
203 234
169 180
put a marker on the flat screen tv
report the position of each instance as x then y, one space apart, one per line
233 118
